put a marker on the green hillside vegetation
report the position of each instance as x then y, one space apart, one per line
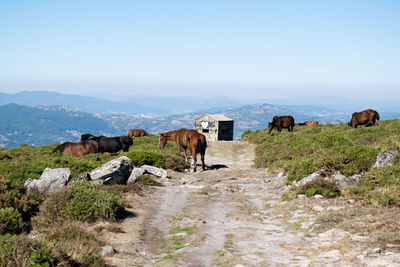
61 225
330 148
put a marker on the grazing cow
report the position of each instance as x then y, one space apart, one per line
281 122
367 117
111 144
137 133
188 140
78 149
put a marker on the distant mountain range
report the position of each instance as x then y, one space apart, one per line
165 106
40 118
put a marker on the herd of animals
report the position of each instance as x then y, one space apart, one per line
188 140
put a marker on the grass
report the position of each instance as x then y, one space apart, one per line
19 164
61 232
331 148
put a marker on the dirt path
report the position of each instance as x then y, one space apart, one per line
232 215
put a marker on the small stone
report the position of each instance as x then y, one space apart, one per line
318 196
107 250
352 201
377 250
301 196
281 174
318 208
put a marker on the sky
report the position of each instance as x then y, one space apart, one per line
194 48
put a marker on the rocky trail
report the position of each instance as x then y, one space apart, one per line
233 215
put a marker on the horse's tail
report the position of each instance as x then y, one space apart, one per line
59 148
377 115
201 145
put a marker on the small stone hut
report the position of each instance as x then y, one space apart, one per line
216 127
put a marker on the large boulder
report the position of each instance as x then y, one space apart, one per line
385 158
116 171
158 172
136 172
50 181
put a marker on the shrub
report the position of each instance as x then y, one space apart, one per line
142 157
10 221
88 204
325 187
41 255
146 180
15 250
77 243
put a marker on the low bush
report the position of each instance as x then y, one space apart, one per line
320 186
142 157
147 180
10 221
20 250
88 204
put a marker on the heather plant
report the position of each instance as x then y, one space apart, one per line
334 148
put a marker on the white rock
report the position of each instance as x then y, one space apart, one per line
107 250
116 171
136 172
318 208
50 181
301 196
385 158
318 196
159 172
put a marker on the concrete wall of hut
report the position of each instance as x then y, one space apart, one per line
208 127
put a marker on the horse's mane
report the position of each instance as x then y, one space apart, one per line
169 133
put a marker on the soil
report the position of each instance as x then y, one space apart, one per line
232 215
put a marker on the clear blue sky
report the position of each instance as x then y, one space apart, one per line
239 48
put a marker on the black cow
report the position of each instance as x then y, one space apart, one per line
110 144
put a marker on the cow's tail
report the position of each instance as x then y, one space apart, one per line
377 115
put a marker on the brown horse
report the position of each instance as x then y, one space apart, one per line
280 122
78 149
137 133
188 140
367 117
308 123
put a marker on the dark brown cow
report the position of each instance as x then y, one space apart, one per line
78 149
137 133
281 122
366 117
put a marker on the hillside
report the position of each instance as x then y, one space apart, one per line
84 103
249 117
335 148
46 124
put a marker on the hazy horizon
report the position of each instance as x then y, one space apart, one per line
265 49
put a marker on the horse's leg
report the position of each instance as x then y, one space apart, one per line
202 161
186 157
194 157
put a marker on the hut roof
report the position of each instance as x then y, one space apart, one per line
217 117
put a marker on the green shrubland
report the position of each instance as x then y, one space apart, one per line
63 237
331 148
